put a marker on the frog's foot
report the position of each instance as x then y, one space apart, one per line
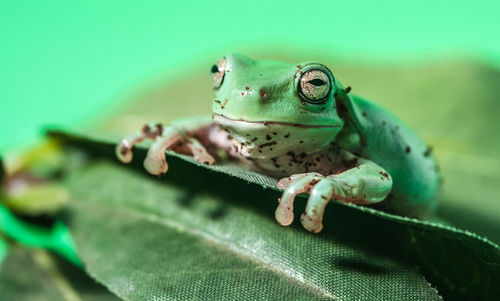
124 149
155 162
320 189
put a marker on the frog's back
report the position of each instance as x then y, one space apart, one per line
398 149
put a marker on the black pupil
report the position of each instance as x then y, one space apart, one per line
214 69
317 82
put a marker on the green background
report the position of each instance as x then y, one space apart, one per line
65 63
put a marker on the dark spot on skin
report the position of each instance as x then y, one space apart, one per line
384 174
247 135
318 159
254 139
159 129
287 135
262 94
324 197
224 103
243 93
217 101
229 137
364 114
145 129
290 164
302 155
123 150
261 74
384 123
267 144
301 141
408 149
348 89
428 151
274 133
259 151
247 88
205 162
382 178
397 127
299 66
313 182
277 165
268 137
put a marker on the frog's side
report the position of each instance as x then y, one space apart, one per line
298 123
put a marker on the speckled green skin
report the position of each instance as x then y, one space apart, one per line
387 141
267 91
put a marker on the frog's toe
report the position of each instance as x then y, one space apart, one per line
200 154
156 166
155 162
285 182
319 196
284 212
124 151
204 159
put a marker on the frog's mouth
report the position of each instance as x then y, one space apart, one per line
223 120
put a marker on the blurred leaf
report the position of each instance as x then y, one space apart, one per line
41 198
55 238
37 275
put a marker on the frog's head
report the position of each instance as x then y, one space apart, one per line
271 107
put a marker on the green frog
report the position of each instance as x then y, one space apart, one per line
299 124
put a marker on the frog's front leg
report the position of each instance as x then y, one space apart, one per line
177 136
366 183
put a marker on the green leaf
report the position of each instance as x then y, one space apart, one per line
146 238
57 238
173 221
32 275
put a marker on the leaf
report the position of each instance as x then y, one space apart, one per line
56 238
158 239
360 248
32 275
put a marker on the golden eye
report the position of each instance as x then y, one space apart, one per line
314 86
217 71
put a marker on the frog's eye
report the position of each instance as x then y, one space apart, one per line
217 71
314 86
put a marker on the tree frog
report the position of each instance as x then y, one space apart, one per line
299 124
